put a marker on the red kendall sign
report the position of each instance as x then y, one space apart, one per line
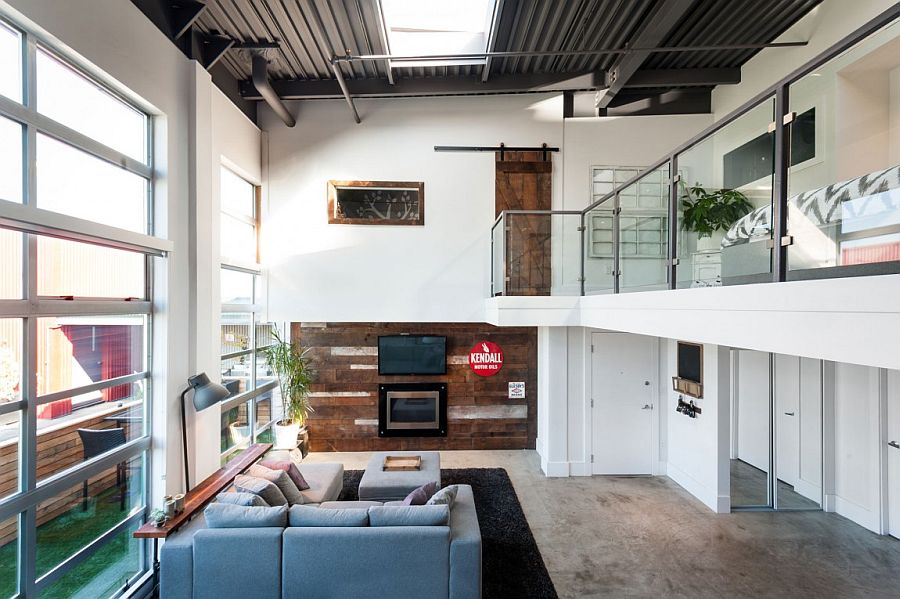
485 358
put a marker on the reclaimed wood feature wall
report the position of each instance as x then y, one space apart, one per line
523 182
480 416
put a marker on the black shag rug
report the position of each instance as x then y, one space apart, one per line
512 566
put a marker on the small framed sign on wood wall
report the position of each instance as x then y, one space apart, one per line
376 202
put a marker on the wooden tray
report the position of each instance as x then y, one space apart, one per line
401 463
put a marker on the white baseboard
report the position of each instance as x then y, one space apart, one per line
709 497
580 469
857 513
555 469
723 504
661 469
808 490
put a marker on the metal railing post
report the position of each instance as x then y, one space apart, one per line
780 184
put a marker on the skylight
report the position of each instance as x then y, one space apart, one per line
437 28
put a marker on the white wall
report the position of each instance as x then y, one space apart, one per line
698 448
436 273
824 26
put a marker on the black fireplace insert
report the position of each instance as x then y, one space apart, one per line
412 410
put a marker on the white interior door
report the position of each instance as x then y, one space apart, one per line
787 418
893 453
624 370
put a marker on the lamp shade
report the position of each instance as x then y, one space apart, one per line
206 392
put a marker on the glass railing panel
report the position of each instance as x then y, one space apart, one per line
644 232
498 251
844 176
725 204
537 253
565 247
599 249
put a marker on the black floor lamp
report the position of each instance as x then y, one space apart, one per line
206 394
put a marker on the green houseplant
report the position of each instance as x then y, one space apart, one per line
711 213
295 375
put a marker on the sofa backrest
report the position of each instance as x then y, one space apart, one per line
395 561
236 563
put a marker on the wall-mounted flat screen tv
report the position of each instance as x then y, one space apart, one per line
690 362
412 354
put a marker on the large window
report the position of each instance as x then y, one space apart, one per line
247 415
75 322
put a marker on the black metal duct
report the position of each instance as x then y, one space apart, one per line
261 81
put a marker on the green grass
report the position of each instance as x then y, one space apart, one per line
103 572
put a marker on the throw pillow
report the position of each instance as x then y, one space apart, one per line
260 486
225 515
421 495
412 515
445 496
290 468
281 480
307 515
244 499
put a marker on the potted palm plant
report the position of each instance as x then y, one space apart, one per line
295 376
711 213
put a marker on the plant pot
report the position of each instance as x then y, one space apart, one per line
710 243
286 435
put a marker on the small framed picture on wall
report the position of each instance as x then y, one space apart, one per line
376 203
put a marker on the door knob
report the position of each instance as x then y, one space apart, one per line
647 407
647 383
789 413
894 444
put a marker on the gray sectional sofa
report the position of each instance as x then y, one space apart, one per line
327 562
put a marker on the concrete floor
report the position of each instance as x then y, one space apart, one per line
647 537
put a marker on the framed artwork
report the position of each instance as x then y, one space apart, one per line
376 203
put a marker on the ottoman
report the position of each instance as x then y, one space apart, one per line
378 485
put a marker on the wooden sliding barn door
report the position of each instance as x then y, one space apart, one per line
523 181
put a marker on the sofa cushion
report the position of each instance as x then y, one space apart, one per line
289 467
421 495
409 515
444 497
340 505
305 515
325 481
262 487
245 499
281 480
225 515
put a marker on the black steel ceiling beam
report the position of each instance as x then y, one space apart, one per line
683 78
182 15
295 89
654 32
210 48
649 102
300 89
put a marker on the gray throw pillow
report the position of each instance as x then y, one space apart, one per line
260 486
225 515
244 499
290 468
421 495
445 496
307 515
410 515
281 479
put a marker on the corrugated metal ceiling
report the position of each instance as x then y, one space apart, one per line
312 31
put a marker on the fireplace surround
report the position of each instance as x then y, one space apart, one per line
412 410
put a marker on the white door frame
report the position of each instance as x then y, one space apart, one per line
655 469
